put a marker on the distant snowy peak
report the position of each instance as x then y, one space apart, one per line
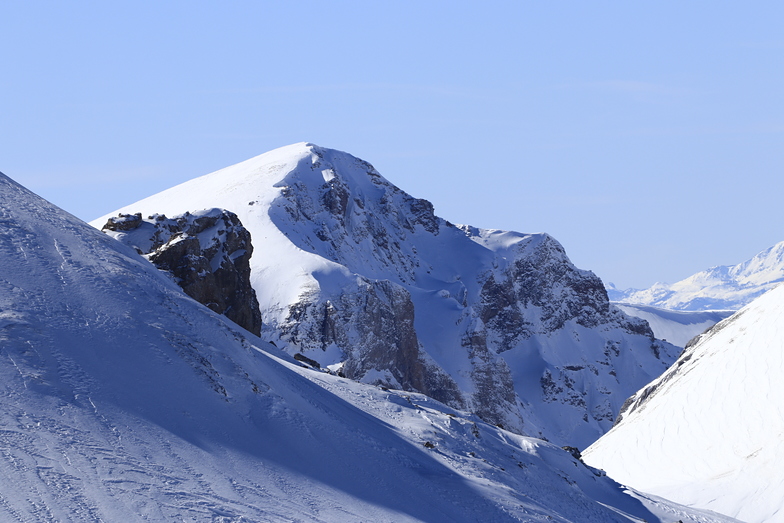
766 267
724 287
364 279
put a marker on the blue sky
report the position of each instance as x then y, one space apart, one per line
646 137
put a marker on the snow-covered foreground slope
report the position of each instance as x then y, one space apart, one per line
709 432
677 327
724 287
363 278
125 400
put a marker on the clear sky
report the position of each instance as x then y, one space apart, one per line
647 137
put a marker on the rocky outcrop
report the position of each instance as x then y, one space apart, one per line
207 252
372 326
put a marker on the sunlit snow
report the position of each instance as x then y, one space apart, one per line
708 433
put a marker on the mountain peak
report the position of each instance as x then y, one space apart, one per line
363 278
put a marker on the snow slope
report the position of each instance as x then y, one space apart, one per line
677 327
724 287
363 278
125 400
708 433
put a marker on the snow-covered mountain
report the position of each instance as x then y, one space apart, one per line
708 432
362 278
728 287
125 400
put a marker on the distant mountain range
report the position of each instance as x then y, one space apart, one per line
356 276
727 287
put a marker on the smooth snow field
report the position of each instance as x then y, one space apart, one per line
709 432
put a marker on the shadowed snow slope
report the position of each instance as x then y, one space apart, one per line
723 287
125 400
709 432
363 278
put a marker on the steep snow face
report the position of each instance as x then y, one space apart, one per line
363 278
725 287
124 400
676 327
708 433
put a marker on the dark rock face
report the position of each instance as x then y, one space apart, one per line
494 399
124 222
207 253
545 281
375 326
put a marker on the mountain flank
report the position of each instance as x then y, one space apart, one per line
707 433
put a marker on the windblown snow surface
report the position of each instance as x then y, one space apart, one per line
709 432
676 327
125 400
726 287
501 322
